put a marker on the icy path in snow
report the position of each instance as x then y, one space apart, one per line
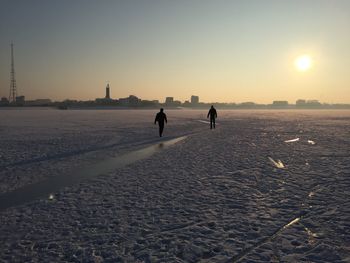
214 197
48 186
37 144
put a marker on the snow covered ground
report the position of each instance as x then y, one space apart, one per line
248 191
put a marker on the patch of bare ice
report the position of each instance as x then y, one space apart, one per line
206 122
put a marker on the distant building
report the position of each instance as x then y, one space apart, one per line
280 103
131 101
38 102
4 101
308 103
177 103
107 99
107 92
313 103
69 102
194 99
300 103
186 103
20 100
149 103
169 100
104 101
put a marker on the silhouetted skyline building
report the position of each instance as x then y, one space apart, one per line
132 101
280 103
307 103
4 101
38 102
169 100
300 102
313 103
107 92
194 99
20 100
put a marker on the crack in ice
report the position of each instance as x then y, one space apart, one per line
247 251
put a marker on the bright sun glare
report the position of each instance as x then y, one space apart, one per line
303 63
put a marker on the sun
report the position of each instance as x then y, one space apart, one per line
303 63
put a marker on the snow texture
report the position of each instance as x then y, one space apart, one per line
213 197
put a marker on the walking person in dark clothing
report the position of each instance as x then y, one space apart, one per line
160 118
213 115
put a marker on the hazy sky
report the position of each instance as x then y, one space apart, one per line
227 51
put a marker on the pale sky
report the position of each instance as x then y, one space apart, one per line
222 51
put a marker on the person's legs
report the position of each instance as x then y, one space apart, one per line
161 128
214 122
211 123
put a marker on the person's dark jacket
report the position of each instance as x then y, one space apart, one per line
212 113
160 118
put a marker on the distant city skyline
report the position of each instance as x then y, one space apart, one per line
222 51
133 101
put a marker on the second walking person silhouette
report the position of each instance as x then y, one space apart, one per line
213 115
160 118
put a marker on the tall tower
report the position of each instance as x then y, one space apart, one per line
107 92
13 87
